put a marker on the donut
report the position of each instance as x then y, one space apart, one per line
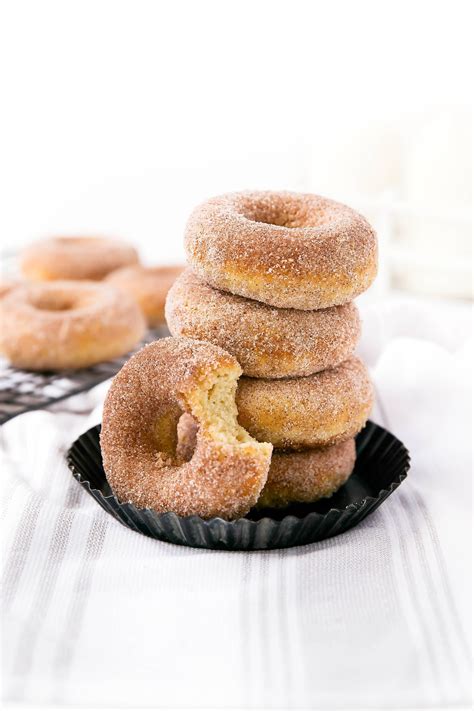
75 258
301 413
293 477
6 285
67 324
149 286
267 342
228 469
303 477
289 250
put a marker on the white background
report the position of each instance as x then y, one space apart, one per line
118 117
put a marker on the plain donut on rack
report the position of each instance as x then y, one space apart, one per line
267 342
75 258
301 413
227 470
288 250
67 324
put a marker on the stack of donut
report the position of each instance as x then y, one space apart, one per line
271 279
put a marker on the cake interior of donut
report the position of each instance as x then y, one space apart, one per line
213 406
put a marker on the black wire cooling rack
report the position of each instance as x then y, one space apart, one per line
23 390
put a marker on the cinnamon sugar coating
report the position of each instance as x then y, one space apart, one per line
227 470
289 250
75 258
301 413
293 477
148 286
67 324
6 286
303 477
267 342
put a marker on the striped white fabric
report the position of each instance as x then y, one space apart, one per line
97 615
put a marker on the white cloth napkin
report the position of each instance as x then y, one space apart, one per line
97 615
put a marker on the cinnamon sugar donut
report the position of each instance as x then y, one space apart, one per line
301 413
75 258
293 477
149 286
303 477
228 468
267 342
288 250
67 324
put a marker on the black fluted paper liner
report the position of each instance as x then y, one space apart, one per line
381 466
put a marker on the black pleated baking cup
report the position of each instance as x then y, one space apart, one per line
382 464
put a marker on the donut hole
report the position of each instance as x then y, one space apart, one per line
292 212
53 302
165 434
77 241
187 431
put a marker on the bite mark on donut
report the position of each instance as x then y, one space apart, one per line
213 406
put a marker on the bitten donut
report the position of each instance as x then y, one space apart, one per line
75 258
227 470
301 413
303 477
267 342
67 324
286 249
293 477
149 286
